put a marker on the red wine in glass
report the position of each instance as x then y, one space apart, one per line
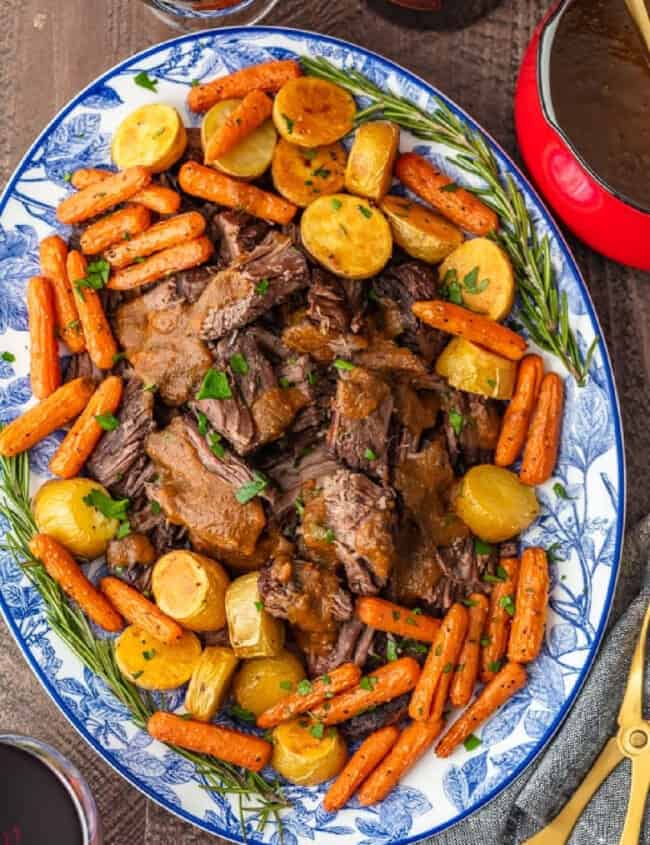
433 14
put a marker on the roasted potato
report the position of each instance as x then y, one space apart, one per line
152 136
191 588
151 664
483 276
419 231
470 367
262 682
306 753
252 156
347 235
370 165
312 112
61 511
301 175
210 682
495 504
253 631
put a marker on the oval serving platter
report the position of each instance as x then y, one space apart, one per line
583 528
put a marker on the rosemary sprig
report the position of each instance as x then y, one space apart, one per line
264 800
543 309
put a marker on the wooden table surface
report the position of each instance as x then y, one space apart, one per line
49 49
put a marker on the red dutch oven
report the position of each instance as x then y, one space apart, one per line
598 215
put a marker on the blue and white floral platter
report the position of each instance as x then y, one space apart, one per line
584 529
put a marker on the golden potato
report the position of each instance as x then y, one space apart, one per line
370 165
312 112
262 682
191 588
483 276
152 136
152 664
347 235
61 511
307 754
210 682
495 504
470 367
253 631
419 231
252 156
302 174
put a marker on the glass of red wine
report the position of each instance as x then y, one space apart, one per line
434 14
201 14
33 774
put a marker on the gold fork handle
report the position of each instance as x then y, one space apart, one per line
559 830
638 795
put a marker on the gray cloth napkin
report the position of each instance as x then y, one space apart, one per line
536 797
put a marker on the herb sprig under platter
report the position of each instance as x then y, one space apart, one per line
544 310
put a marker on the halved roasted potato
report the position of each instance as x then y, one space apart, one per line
470 367
484 277
210 682
307 754
311 112
301 175
370 165
252 156
347 235
253 631
152 136
419 231
152 664
191 588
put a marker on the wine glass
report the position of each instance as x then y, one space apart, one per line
202 14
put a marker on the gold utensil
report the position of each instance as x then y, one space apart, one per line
632 741
639 11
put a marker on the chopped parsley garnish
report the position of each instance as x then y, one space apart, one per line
486 641
150 388
446 669
155 507
288 122
123 530
391 651
452 287
107 421
136 675
194 83
492 579
368 682
397 615
369 455
560 492
367 213
110 508
438 650
322 173
203 423
149 655
286 685
252 488
216 447
284 382
303 687
119 356
126 236
239 364
336 203
450 187
317 730
326 679
300 507
494 666
9 357
508 605
329 536
342 364
214 386
469 602
239 713
96 278
67 176
472 284
482 548
312 378
144 81
552 555
262 287
456 421
472 743
491 382
259 606
502 572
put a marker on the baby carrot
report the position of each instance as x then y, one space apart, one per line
509 680
466 673
44 369
267 76
84 435
253 110
53 255
171 260
386 616
516 419
156 198
315 693
235 747
527 631
63 568
93 200
119 227
167 233
540 453
100 342
497 626
138 610
370 753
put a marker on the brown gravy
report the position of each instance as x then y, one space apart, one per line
600 88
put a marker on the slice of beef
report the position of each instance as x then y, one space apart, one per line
190 284
471 424
164 535
418 569
133 550
391 360
118 461
351 645
361 515
361 417
327 304
80 366
239 234
192 496
323 345
462 570
390 713
405 284
155 331
239 294
293 468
